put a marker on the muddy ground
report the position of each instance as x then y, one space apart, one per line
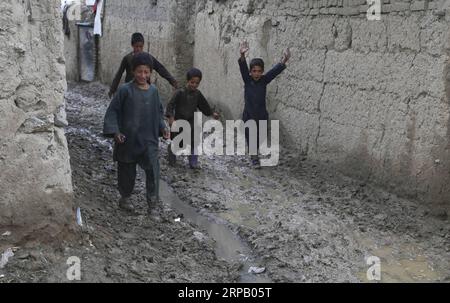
301 221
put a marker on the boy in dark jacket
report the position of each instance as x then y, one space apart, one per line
135 118
183 105
137 42
256 82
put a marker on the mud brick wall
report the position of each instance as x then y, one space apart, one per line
369 98
35 174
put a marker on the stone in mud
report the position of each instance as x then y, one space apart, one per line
256 270
199 236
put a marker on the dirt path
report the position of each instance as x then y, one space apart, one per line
301 221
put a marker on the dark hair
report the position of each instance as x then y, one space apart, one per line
136 38
257 62
142 59
194 72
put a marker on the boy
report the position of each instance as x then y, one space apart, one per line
137 42
183 105
256 89
134 118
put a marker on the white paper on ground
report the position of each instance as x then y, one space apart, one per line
256 270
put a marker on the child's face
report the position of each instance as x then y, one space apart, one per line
138 47
256 72
194 83
142 74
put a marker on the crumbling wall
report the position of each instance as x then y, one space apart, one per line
35 175
71 44
166 27
370 98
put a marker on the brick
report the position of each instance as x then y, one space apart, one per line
418 6
332 3
433 5
333 10
363 8
351 11
386 8
400 7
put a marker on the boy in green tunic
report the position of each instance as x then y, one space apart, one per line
135 118
183 106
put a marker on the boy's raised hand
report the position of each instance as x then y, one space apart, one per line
286 56
244 48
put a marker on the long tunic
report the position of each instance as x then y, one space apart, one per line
255 91
185 103
137 114
127 66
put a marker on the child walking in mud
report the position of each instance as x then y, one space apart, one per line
255 90
183 105
137 42
135 118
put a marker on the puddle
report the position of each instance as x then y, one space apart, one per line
228 245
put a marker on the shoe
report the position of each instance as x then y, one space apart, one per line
255 162
125 204
154 210
195 166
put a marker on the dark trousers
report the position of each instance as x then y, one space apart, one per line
127 177
247 136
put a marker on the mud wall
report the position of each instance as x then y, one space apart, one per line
167 28
367 97
35 175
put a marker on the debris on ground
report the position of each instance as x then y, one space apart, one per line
256 270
